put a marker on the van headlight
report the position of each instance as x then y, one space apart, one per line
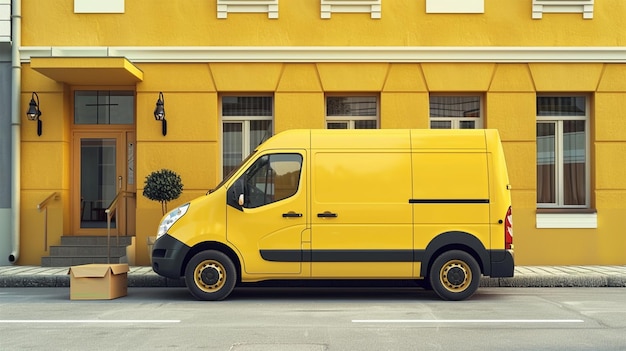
171 218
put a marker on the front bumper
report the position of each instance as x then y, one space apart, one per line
168 257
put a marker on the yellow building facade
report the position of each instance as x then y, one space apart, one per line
550 77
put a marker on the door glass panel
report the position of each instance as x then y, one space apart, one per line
130 164
97 180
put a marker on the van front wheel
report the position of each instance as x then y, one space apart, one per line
210 275
455 275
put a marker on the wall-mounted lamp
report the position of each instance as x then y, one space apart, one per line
34 112
159 113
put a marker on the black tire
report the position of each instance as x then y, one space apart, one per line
210 276
455 275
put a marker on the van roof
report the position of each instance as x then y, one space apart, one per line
381 139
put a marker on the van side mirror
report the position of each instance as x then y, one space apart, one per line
235 196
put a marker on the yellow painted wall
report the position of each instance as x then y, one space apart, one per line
45 168
192 146
192 91
402 23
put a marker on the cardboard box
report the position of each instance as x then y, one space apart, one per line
98 281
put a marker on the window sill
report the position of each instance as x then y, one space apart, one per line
566 218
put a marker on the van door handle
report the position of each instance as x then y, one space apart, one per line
327 214
292 214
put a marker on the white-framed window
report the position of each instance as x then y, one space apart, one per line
455 6
352 112
98 6
246 123
456 112
563 151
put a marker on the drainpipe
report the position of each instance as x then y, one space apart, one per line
16 88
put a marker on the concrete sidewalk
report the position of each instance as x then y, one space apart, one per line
525 276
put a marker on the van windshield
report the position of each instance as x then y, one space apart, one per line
229 175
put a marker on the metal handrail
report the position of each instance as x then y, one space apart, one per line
110 211
43 206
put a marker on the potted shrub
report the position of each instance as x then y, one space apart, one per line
163 186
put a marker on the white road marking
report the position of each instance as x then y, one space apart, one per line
86 321
444 321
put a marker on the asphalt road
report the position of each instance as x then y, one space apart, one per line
314 319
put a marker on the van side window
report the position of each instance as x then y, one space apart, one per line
271 178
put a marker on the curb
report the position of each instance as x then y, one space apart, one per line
557 281
521 281
62 281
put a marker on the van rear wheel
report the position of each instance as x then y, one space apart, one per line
455 275
210 275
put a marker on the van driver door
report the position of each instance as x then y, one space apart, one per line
267 213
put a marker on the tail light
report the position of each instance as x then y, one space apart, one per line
508 230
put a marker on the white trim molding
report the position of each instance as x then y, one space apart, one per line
373 7
567 220
455 6
563 6
98 6
313 54
224 7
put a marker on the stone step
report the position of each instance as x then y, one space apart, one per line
77 250
87 250
95 240
62 261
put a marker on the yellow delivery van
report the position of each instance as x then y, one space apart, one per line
430 205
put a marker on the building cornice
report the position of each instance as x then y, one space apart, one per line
304 54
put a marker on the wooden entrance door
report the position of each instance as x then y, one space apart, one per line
103 171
